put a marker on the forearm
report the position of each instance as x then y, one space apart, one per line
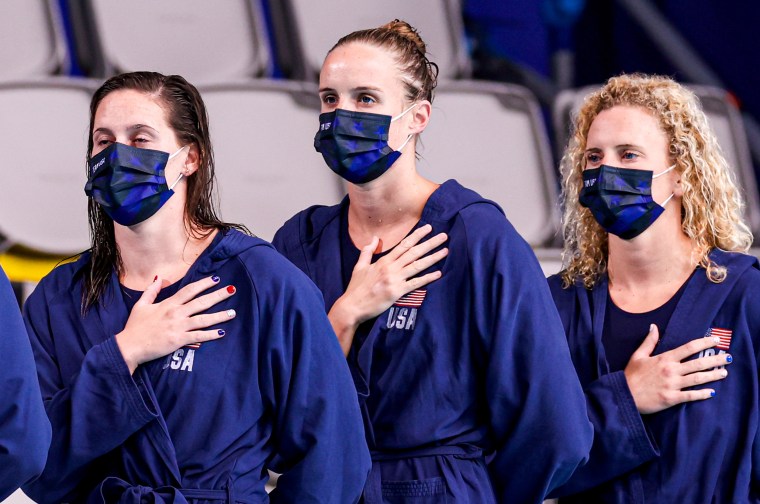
344 322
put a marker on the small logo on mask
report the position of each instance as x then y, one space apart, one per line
589 182
100 163
325 126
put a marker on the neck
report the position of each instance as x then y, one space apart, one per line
646 271
159 246
388 206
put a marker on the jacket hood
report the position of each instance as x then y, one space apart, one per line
443 205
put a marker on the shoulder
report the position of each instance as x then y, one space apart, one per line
565 294
63 277
269 271
485 228
743 271
747 282
306 224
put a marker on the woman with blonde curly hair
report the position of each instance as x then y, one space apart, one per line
657 297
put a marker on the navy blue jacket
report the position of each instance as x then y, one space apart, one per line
200 425
476 371
697 452
24 427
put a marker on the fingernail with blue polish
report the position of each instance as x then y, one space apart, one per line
221 332
712 393
215 279
729 358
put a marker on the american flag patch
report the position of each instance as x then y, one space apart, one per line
413 300
724 335
195 346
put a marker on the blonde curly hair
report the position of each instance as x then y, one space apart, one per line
711 204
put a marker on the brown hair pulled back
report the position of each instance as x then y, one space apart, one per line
420 75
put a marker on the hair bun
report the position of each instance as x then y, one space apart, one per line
407 31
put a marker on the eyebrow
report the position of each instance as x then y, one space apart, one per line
617 147
134 127
359 88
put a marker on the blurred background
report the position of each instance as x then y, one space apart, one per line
512 73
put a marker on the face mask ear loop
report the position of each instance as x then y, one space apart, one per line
171 187
399 117
666 201
405 142
178 151
663 172
402 114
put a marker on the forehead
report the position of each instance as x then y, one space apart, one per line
623 124
128 107
358 64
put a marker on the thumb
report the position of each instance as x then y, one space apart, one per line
151 293
647 346
365 257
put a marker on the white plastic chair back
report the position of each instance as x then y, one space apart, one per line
200 40
266 165
43 138
319 24
491 138
31 40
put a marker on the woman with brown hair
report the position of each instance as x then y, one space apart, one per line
457 354
160 384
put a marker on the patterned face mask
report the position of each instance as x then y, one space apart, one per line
129 183
621 199
355 144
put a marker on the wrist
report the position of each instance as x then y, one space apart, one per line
344 323
128 357
344 315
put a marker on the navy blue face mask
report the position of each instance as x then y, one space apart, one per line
129 183
355 144
621 199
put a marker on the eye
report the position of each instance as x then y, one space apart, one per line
141 140
593 158
102 142
630 155
367 100
329 99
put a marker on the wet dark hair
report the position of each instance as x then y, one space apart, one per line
420 75
186 114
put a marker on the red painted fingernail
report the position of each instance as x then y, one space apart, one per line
231 289
155 278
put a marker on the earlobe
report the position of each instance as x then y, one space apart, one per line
678 190
191 161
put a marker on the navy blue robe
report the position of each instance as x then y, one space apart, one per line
467 389
202 424
697 452
24 427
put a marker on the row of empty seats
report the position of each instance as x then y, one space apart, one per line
208 41
267 168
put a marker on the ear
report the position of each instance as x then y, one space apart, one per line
420 117
678 190
192 161
677 176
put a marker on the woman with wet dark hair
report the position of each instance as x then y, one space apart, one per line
181 358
